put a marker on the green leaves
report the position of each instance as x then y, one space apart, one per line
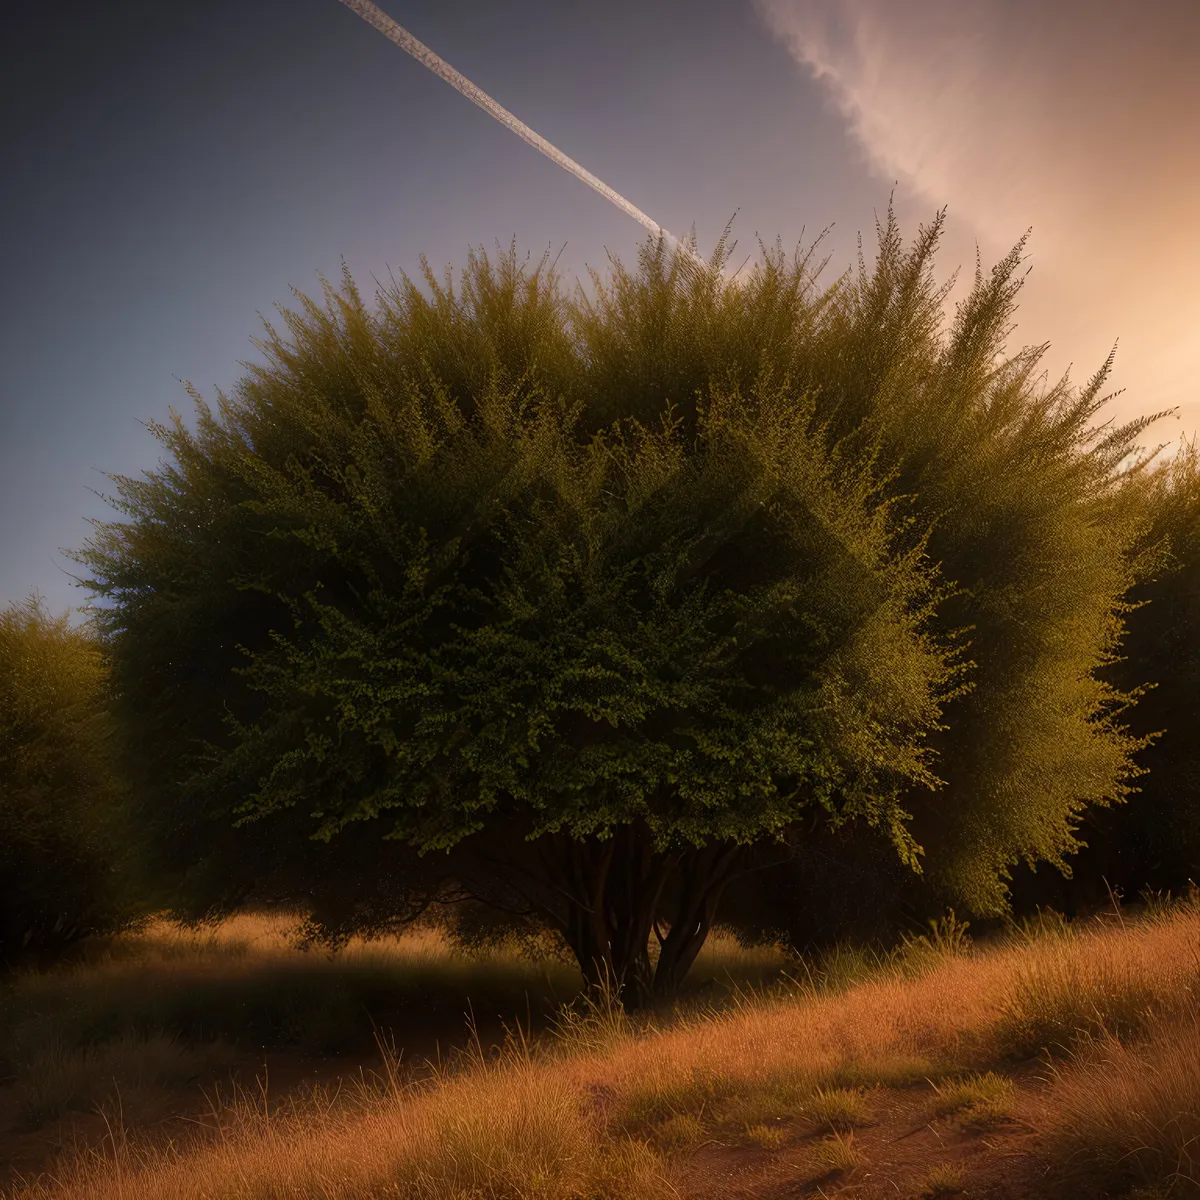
590 657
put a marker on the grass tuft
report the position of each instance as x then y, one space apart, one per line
836 1155
987 1097
766 1137
947 937
837 1109
679 1132
592 1021
943 1180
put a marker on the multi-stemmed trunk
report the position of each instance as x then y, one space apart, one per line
613 896
610 898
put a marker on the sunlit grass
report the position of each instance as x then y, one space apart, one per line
606 1106
1129 1115
945 1179
986 1097
836 1110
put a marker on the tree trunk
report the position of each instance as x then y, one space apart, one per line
614 901
704 877
608 898
611 891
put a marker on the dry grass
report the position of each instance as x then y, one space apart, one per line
505 1129
890 1072
836 1155
779 1099
595 1111
58 1080
167 1006
943 1180
641 1109
837 1110
1129 1115
959 1015
729 962
248 978
1057 1000
986 1097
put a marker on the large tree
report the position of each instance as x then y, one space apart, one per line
590 598
404 577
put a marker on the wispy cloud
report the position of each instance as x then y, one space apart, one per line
1082 120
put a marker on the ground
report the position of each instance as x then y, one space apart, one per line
1048 1063
901 1145
900 1148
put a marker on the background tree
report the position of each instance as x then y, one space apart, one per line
1152 841
1161 824
60 801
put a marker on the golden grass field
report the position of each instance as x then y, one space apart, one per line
1060 1062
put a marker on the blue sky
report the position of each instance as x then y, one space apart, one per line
170 171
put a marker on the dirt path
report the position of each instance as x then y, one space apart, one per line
902 1152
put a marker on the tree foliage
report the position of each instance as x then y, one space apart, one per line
584 596
60 801
1023 487
1163 650
1153 841
1015 480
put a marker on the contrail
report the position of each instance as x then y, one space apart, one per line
440 67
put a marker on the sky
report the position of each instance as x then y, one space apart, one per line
171 171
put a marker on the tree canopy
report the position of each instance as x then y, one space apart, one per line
587 595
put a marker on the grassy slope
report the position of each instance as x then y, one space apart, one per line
1062 1064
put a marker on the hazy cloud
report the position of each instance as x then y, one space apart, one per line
1080 119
